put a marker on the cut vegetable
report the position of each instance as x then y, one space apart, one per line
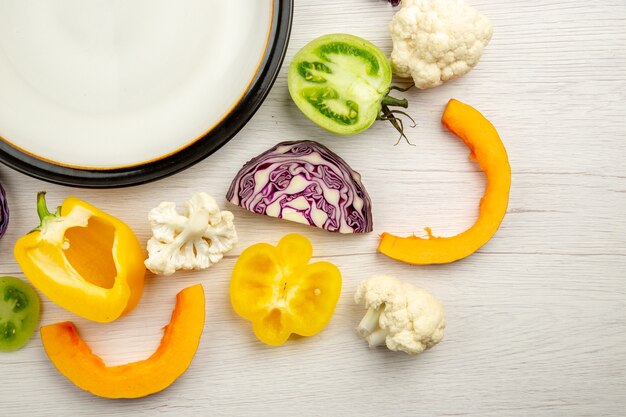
4 212
277 289
435 41
399 315
486 149
19 313
193 240
304 182
341 82
74 359
84 260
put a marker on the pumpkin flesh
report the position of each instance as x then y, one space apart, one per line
488 151
75 360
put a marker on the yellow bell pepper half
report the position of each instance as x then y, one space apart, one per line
84 260
276 289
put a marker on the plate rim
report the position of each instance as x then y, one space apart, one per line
197 150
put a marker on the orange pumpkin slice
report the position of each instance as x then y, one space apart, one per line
74 359
487 150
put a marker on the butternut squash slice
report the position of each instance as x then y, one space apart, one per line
488 151
75 360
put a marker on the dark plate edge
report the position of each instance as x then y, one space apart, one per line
190 155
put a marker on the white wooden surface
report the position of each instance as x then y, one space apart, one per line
536 319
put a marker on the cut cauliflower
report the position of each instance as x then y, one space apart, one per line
194 240
437 40
399 315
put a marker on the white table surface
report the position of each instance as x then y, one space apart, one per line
536 319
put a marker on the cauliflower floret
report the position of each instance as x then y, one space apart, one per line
437 40
194 240
399 315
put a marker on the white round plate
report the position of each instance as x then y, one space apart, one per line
94 92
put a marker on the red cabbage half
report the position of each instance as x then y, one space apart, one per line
304 182
4 212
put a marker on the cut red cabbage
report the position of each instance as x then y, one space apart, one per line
4 212
305 182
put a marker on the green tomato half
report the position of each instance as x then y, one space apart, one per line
341 82
19 313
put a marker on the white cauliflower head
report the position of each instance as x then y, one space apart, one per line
437 40
196 239
399 315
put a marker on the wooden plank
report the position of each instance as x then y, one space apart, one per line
536 319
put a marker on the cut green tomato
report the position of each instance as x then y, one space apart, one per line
341 82
19 313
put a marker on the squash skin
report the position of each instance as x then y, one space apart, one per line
488 151
75 360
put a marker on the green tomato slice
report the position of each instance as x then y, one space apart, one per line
19 313
339 82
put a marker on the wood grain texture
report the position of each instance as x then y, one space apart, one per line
536 319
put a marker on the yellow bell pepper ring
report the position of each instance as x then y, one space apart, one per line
277 289
84 260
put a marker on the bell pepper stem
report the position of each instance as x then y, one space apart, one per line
42 207
43 212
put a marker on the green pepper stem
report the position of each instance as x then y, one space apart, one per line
43 212
42 207
392 101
